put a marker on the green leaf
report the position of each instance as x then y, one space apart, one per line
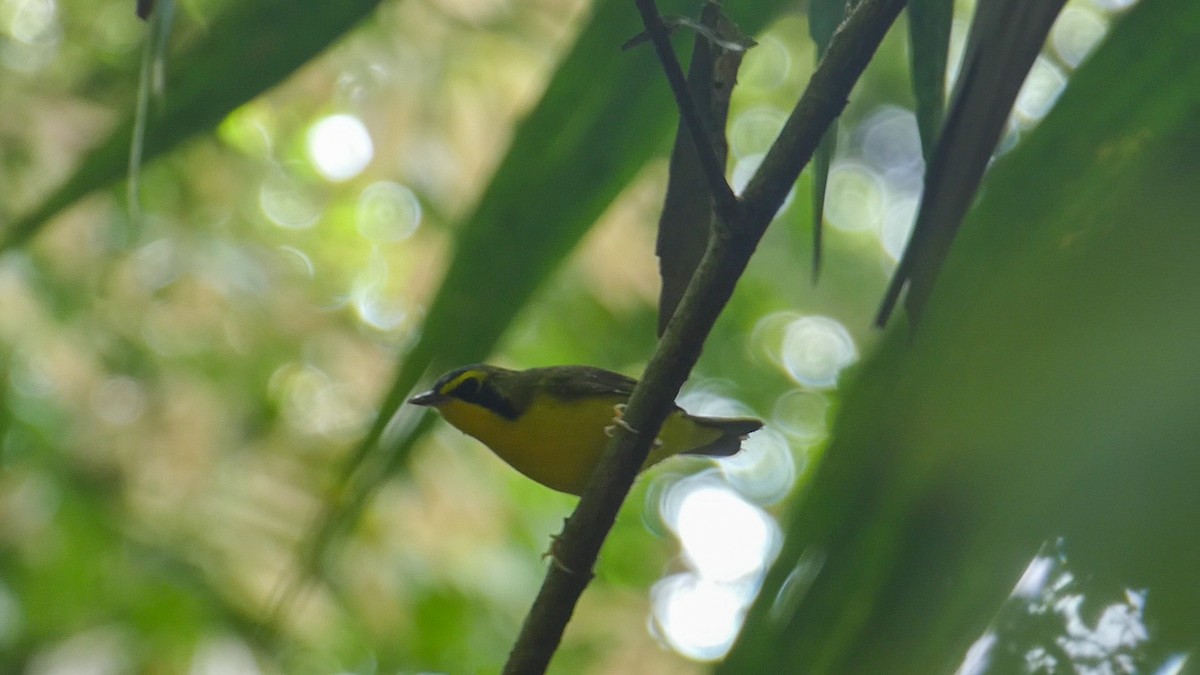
687 214
1050 391
246 51
928 44
824 16
1005 38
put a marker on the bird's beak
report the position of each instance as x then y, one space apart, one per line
428 398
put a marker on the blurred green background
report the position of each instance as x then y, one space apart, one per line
189 379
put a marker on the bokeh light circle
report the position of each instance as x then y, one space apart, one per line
802 415
1042 88
724 537
340 147
1076 33
855 198
764 471
388 212
816 349
897 225
697 618
753 131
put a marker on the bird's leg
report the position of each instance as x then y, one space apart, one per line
619 421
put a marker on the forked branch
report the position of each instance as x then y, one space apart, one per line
726 257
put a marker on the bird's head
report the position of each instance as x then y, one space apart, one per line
496 389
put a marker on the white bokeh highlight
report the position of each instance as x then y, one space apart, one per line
699 619
815 350
340 147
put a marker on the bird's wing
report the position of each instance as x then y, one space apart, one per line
581 381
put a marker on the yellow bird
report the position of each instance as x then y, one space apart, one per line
549 423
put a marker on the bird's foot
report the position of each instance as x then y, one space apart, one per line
619 421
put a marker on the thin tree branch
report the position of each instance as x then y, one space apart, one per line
728 252
850 49
725 203
688 214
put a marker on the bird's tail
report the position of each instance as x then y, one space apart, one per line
733 431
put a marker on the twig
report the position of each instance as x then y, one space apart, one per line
725 203
850 50
688 214
679 349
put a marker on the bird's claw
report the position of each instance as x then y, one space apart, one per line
619 421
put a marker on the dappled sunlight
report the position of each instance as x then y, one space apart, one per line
224 655
727 544
340 147
765 471
375 299
815 350
855 199
976 661
727 541
288 202
1174 665
1055 620
188 379
314 403
104 649
891 146
766 337
753 131
698 618
802 415
875 184
767 65
812 350
1042 88
708 397
897 227
1077 32
388 212
724 537
35 32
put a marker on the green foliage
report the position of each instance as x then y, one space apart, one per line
187 404
1046 396
247 50
929 24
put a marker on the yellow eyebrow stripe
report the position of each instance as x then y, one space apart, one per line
453 384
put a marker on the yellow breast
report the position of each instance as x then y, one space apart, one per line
559 443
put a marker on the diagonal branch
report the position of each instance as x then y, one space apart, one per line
726 257
850 49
